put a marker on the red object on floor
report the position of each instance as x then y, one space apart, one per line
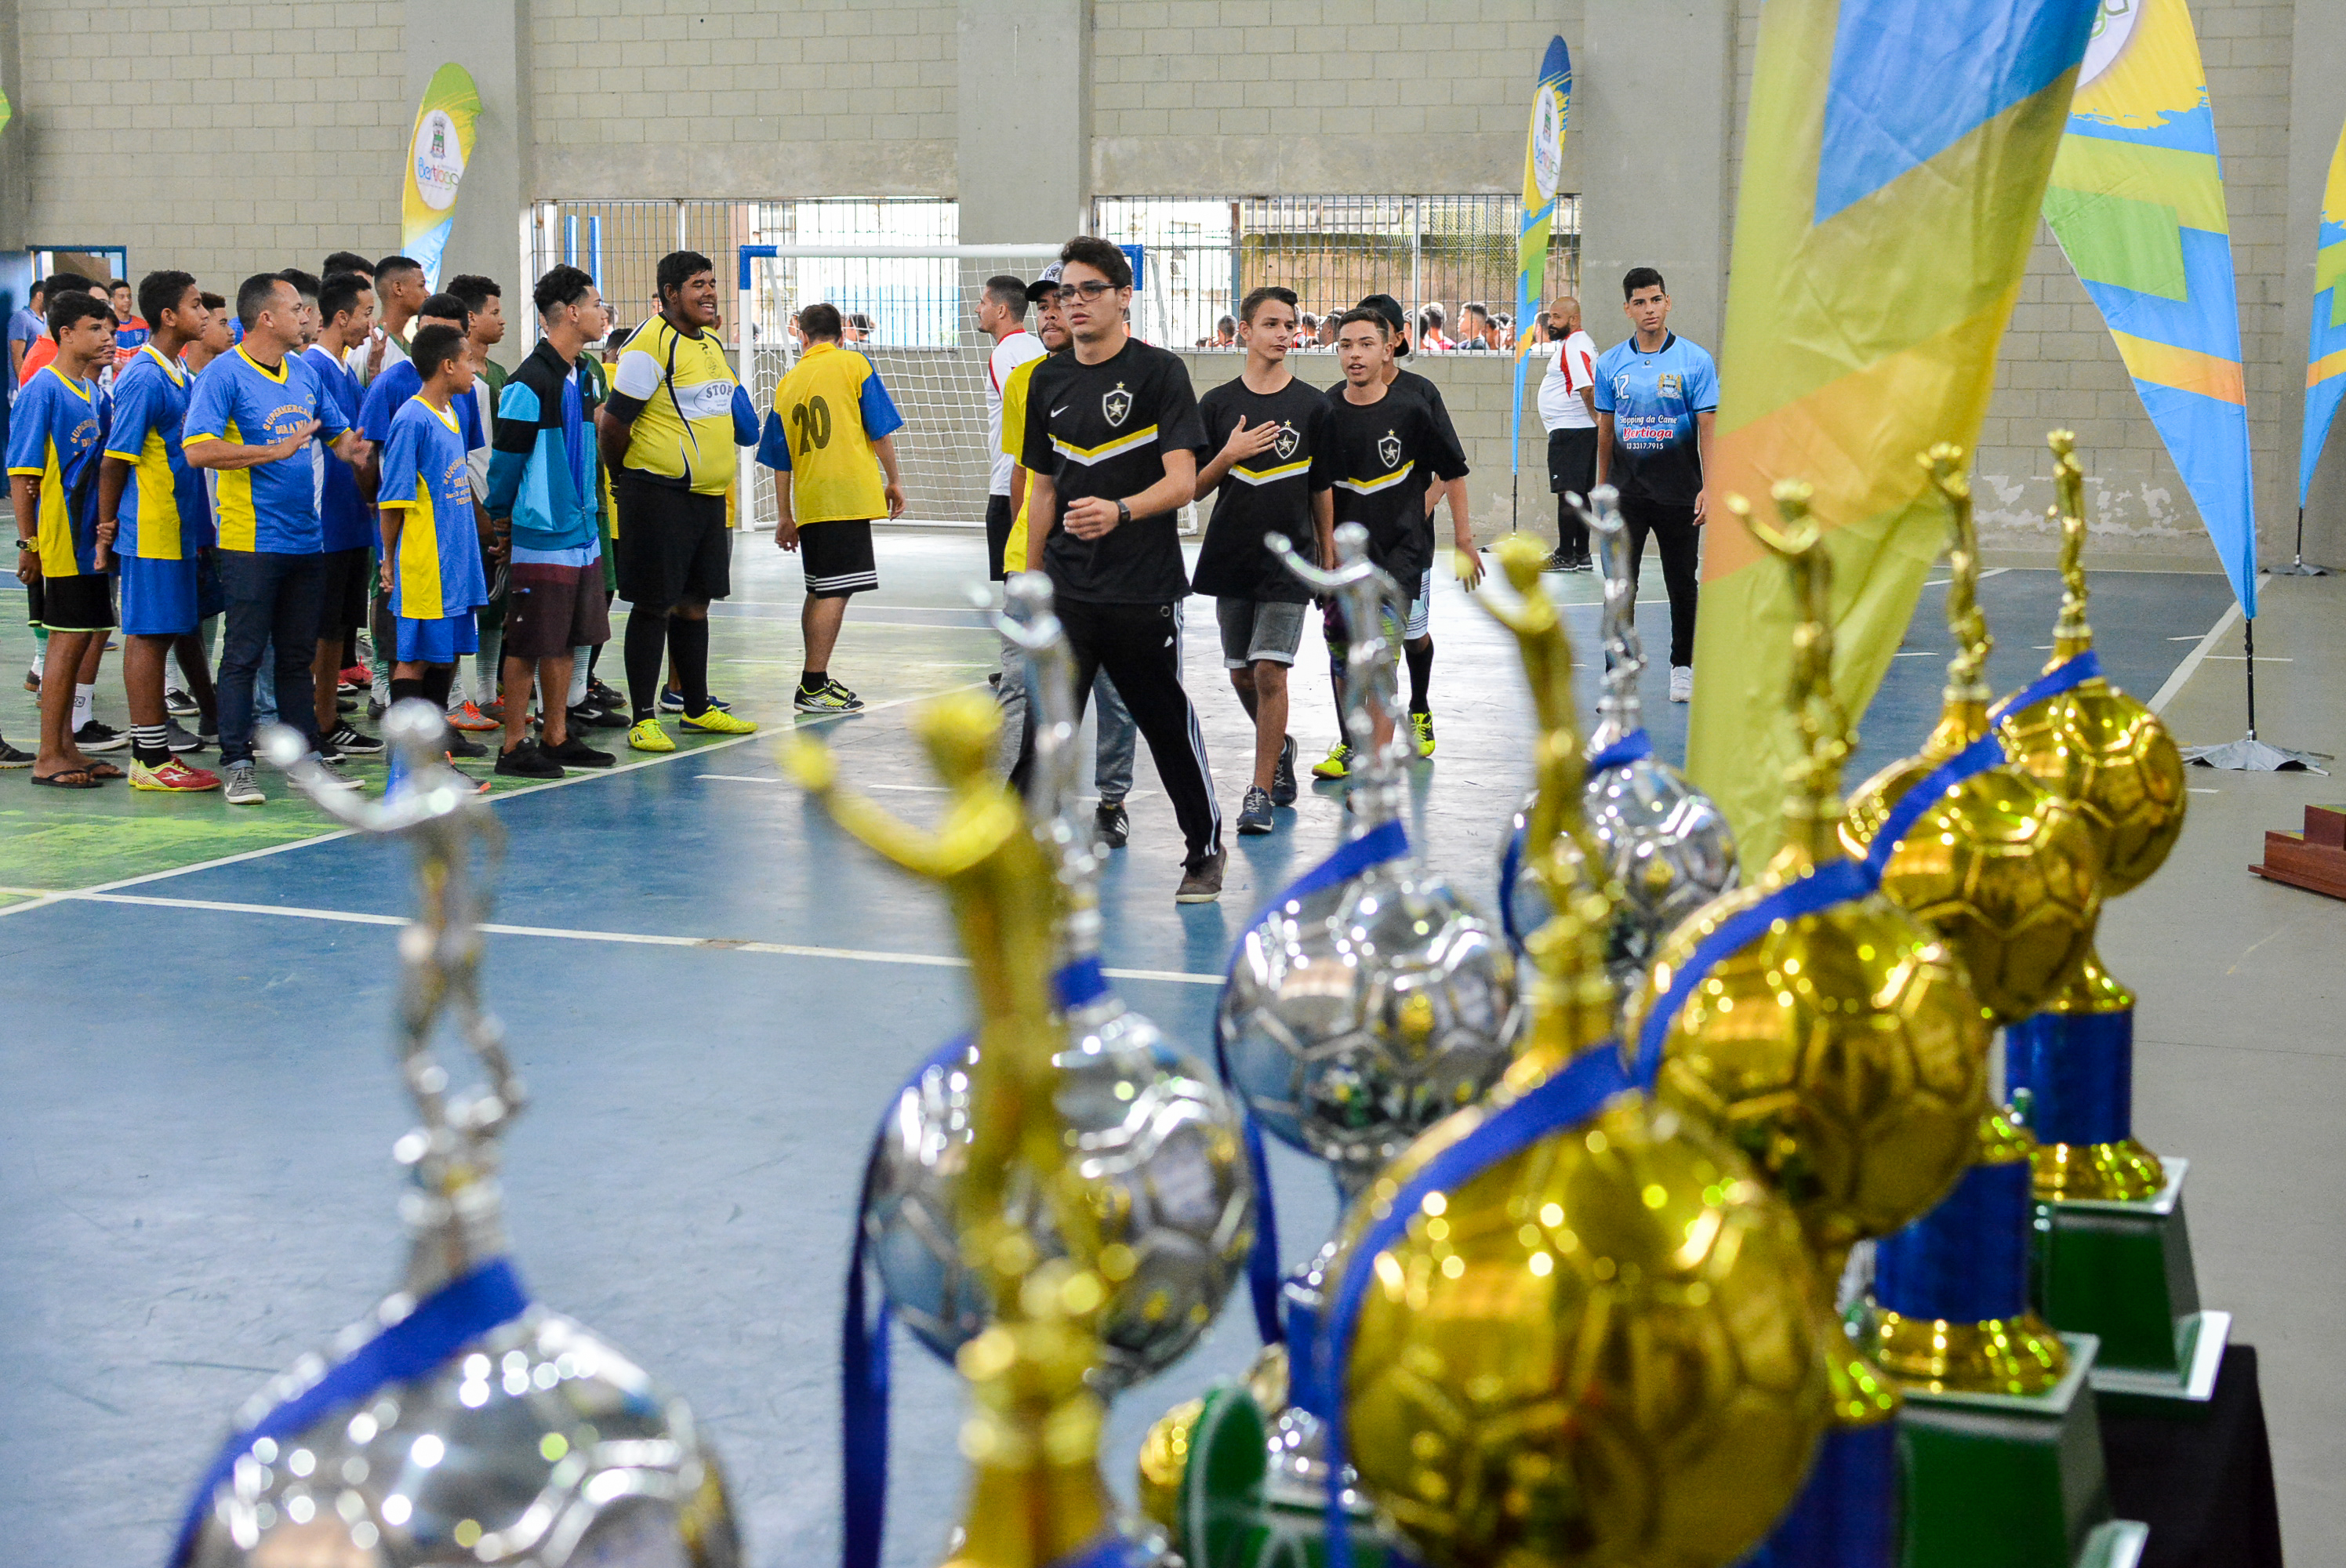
2314 860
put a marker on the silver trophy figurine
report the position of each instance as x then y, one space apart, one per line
1155 1129
1363 1011
529 1441
1665 842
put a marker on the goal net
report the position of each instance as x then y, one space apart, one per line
913 312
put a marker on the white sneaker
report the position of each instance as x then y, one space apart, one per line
1681 683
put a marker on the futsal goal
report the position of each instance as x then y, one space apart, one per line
912 311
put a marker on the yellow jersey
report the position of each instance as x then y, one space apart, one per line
828 413
1014 439
693 413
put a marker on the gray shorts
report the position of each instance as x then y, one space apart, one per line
1258 631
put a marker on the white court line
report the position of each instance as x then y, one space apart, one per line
639 939
2192 660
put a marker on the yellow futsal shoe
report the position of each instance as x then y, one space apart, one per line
1423 724
648 736
715 721
1336 764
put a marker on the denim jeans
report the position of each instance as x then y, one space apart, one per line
1119 737
272 599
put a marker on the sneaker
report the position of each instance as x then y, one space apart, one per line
1422 723
33 681
95 737
12 758
495 710
716 721
648 736
347 740
1254 816
1336 764
376 709
458 745
1681 683
1111 824
576 753
241 788
829 698
468 716
605 695
180 738
1202 883
354 678
593 714
179 705
346 704
209 733
172 777
672 701
529 760
331 774
345 687
1282 778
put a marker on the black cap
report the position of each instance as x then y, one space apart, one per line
1047 283
1388 307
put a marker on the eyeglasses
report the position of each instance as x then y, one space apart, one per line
1090 288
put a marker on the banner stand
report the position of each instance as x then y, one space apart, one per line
2250 755
2296 568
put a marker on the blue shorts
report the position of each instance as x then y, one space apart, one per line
158 597
437 642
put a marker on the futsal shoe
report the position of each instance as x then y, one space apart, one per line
180 738
1111 824
1282 778
467 749
1202 884
348 741
1422 723
716 721
173 778
12 758
831 697
179 705
95 737
468 716
1337 764
1254 816
592 715
606 693
672 701
527 760
576 753
648 736
1681 683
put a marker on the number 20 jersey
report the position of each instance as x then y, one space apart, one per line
827 414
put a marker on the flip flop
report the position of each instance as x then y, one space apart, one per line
104 770
67 779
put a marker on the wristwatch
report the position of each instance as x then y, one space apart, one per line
1123 511
25 543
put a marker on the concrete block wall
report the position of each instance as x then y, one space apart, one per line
152 127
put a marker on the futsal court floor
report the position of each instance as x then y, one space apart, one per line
711 995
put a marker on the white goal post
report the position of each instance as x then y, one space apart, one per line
921 301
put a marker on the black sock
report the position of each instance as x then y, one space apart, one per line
437 680
1420 654
147 745
646 650
813 679
688 640
404 687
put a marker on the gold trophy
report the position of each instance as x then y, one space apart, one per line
1036 1497
1839 1046
2117 1259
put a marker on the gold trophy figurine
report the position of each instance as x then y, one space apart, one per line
1036 1495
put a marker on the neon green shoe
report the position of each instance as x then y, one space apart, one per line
716 721
648 736
1423 724
1336 764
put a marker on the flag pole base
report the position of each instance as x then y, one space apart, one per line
2253 756
2300 568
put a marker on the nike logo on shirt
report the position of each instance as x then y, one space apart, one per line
1060 410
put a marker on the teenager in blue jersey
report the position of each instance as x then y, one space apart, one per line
431 545
54 435
1656 400
155 519
346 313
250 422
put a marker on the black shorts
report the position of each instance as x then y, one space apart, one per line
673 544
554 609
1000 516
343 601
81 603
1572 461
837 558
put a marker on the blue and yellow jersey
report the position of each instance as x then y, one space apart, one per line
53 433
827 414
274 506
436 571
692 413
164 515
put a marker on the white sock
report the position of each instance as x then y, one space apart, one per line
456 697
579 657
84 696
487 664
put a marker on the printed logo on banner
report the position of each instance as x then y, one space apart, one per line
1116 404
439 160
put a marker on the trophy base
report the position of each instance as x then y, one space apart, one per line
2122 1172
2122 1271
2010 1480
2020 1356
1233 1491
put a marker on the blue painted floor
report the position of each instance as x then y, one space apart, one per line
194 1145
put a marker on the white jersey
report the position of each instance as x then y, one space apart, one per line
1008 354
1571 366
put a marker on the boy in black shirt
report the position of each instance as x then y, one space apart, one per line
1387 449
1112 434
1269 435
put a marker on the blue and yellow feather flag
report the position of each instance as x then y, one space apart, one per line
2137 200
2325 357
1898 157
1542 173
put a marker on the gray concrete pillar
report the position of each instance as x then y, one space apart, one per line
1024 111
490 39
1653 103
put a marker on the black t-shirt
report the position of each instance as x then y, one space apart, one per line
1265 493
1386 454
1409 384
1103 430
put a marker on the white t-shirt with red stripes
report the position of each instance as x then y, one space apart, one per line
1571 366
1008 354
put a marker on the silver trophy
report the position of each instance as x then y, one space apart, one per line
1359 1014
1665 842
534 1442
1160 1139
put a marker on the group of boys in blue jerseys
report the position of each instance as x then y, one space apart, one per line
320 472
